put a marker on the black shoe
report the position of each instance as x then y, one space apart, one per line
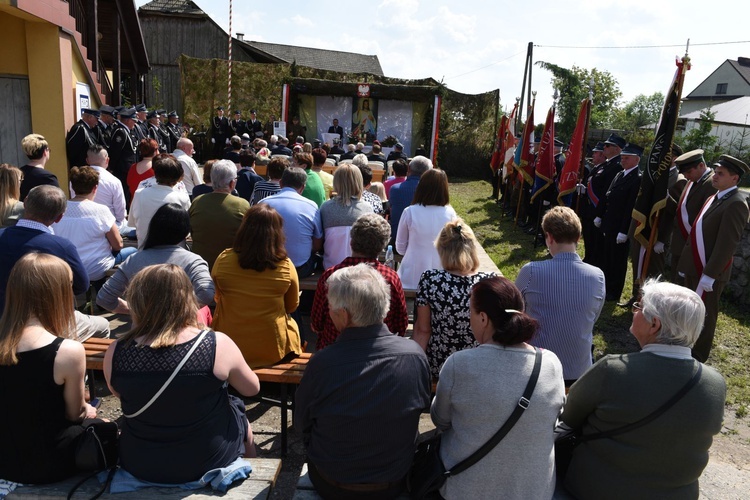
628 304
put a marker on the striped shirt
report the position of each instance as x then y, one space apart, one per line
264 189
565 295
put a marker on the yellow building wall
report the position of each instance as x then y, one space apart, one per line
50 67
13 54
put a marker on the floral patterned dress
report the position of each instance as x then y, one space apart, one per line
447 295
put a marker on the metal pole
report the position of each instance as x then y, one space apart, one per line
229 76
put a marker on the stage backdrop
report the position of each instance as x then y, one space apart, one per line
468 123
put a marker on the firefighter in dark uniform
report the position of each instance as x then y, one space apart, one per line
254 127
219 131
106 124
81 136
173 129
163 129
237 125
122 149
153 130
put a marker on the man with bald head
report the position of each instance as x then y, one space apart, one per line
184 154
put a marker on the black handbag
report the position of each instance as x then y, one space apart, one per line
427 474
97 447
567 439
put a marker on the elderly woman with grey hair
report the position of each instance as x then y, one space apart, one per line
664 457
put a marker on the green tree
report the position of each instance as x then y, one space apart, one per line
700 137
573 85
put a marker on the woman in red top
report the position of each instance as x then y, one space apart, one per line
147 149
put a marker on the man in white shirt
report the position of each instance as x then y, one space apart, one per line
147 201
109 191
184 154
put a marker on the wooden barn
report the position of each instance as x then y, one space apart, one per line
175 27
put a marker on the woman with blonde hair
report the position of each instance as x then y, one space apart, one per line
442 324
175 429
257 289
41 373
420 224
36 149
11 209
338 214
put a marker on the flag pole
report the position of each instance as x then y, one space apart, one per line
655 223
585 141
526 145
538 222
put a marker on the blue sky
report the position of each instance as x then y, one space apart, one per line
476 46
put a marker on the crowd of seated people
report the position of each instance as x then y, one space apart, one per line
367 384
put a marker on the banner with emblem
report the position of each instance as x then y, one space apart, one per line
652 195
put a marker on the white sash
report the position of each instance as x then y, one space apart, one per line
684 220
699 245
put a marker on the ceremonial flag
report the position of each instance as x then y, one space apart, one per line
566 184
524 160
652 195
545 160
509 140
498 155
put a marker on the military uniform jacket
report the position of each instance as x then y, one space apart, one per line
78 141
254 128
600 182
121 150
174 131
619 202
219 128
336 130
105 133
155 134
721 229
693 196
675 184
237 127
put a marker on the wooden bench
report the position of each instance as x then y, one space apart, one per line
258 485
288 376
306 491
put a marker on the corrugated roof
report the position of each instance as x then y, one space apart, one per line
735 112
173 7
333 60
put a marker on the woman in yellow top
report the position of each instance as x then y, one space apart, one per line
256 290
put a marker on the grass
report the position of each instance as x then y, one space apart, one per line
510 248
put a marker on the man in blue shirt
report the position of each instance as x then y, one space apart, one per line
304 235
402 194
44 206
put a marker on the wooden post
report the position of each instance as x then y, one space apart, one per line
92 23
117 63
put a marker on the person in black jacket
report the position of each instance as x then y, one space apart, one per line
82 135
219 132
617 209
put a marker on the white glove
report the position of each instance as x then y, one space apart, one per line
545 203
659 247
621 238
580 189
707 283
598 222
213 141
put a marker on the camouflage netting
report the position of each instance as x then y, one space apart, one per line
467 122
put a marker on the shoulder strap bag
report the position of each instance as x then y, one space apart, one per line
427 474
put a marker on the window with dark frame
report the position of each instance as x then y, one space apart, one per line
721 88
